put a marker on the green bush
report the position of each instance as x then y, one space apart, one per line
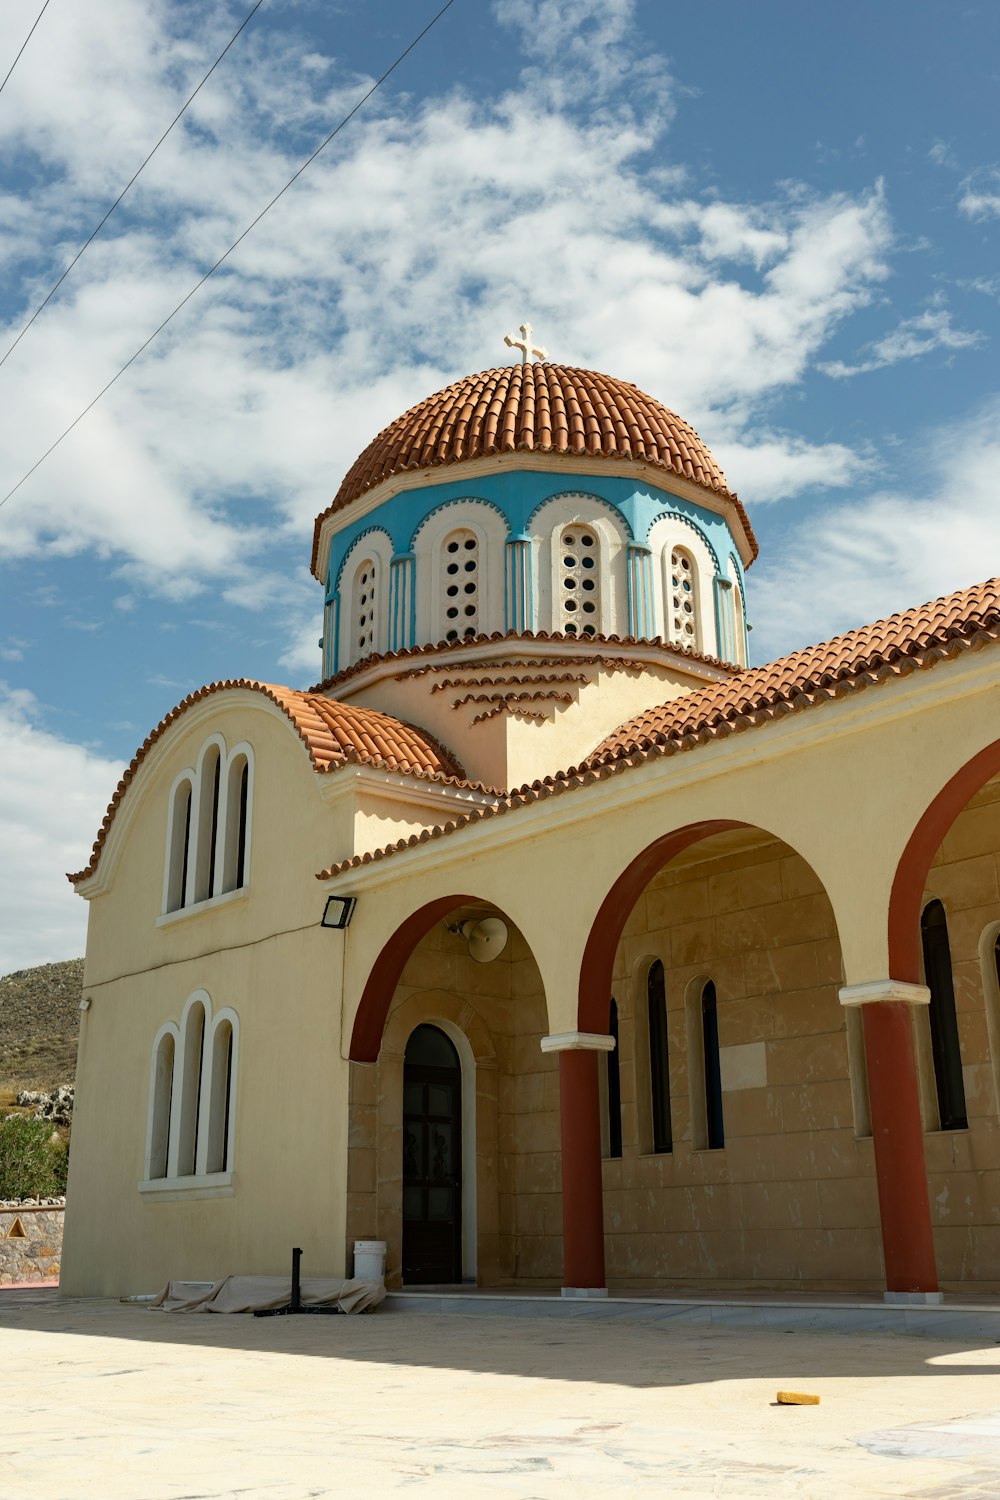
32 1159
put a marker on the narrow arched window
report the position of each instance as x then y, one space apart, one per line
614 1086
217 1145
209 790
682 600
234 871
739 627
189 1103
178 847
579 573
159 1125
461 584
365 604
659 1058
943 1020
716 1134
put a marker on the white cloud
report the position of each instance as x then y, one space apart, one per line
394 265
914 337
53 795
888 551
980 195
779 466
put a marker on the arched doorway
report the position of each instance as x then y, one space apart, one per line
432 1159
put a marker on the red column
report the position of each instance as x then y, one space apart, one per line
582 1188
904 1203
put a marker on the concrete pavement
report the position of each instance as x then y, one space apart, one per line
122 1403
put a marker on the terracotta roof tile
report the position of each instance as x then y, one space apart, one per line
335 734
882 652
544 408
455 647
812 673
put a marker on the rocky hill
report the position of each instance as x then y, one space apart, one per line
39 1025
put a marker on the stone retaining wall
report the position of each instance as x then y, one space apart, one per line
30 1241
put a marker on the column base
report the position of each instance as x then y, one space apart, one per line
584 1291
914 1299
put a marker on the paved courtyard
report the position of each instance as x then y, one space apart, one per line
122 1403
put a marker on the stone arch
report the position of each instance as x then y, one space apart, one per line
915 862
384 976
619 517
366 537
666 514
597 966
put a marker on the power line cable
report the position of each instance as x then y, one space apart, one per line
212 269
24 44
130 182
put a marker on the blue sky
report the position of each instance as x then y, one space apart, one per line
780 219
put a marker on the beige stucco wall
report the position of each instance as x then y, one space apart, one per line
265 956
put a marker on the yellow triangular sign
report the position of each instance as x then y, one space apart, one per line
16 1231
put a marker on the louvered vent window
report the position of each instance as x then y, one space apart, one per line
683 604
580 584
365 590
461 585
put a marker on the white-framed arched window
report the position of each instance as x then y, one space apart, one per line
582 562
363 591
458 553
191 1117
578 575
365 608
461 580
208 827
682 605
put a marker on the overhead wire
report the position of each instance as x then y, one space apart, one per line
225 256
52 291
23 45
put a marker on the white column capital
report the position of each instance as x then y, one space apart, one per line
881 991
578 1041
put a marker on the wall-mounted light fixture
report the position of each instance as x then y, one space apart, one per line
85 1003
339 910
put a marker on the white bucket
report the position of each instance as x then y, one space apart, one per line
369 1260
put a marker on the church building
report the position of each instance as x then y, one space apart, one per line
545 939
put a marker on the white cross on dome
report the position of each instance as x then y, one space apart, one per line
529 351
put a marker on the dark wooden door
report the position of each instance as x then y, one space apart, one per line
432 1159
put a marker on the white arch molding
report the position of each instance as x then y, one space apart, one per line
206 812
191 1115
467 1064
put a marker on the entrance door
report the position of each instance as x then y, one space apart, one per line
432 1159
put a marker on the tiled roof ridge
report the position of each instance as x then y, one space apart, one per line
954 633
557 636
548 408
308 713
812 669
464 680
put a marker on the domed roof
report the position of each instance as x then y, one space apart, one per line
534 408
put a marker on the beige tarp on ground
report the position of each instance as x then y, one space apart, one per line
245 1294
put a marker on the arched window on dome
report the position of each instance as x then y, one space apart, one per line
579 574
460 577
682 600
365 604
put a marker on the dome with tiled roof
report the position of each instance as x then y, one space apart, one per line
533 498
533 408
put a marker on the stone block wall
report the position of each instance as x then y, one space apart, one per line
790 1197
963 1166
30 1241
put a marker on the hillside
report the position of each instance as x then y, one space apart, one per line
39 1025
